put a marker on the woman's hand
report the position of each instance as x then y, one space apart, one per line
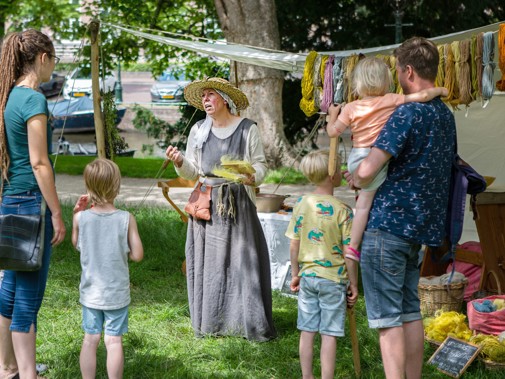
174 155
59 229
248 180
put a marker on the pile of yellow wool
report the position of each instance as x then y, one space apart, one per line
492 348
233 169
446 324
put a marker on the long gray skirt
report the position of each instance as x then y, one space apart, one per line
228 271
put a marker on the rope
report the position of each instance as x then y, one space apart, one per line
327 85
489 65
320 121
465 75
500 84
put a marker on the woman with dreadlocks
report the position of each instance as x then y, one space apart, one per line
27 179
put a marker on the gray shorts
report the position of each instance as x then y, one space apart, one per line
358 154
321 306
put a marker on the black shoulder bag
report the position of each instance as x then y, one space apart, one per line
22 240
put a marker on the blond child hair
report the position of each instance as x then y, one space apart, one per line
102 178
314 166
372 77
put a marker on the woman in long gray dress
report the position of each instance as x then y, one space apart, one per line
227 261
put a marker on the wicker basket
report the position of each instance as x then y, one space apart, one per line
492 365
447 297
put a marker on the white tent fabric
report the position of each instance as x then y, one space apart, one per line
279 59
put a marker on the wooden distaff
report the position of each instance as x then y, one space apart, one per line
353 331
332 164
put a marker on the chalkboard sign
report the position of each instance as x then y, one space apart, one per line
454 356
286 289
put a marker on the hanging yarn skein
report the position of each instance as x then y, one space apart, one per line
338 80
317 80
439 81
479 50
473 65
489 66
307 104
500 84
465 74
327 85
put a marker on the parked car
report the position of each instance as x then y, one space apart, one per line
78 84
53 86
169 88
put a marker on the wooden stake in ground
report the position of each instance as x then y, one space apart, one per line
94 26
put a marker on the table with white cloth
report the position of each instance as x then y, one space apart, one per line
274 226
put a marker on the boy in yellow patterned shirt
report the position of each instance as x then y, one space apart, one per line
323 270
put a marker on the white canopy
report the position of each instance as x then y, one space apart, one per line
279 59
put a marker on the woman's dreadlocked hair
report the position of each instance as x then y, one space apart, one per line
19 52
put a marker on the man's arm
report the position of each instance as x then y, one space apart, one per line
370 166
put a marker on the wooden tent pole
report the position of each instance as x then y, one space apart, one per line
94 27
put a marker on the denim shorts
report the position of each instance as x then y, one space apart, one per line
114 322
21 292
321 306
390 272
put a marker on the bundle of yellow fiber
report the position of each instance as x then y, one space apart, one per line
237 166
352 61
450 76
227 174
499 303
446 324
307 104
492 348
500 84
439 81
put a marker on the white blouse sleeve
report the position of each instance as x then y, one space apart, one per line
255 154
191 162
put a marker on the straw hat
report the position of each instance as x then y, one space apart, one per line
193 92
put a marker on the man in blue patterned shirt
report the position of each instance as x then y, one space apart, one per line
409 209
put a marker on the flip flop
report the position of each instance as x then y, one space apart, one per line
41 368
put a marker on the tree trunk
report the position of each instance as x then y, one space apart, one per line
254 22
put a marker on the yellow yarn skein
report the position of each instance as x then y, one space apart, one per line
491 347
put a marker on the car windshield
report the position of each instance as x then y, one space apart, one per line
166 76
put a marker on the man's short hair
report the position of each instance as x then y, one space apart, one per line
421 54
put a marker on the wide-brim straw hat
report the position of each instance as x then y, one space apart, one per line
193 92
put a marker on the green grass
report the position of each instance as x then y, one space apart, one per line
148 168
161 344
130 167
